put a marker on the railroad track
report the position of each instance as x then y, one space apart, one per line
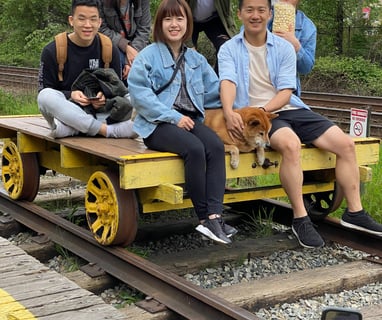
174 292
334 106
18 78
337 108
161 282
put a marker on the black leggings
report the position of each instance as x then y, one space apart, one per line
204 163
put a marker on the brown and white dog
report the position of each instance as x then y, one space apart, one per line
257 124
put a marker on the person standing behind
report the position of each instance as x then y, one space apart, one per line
303 38
62 107
258 69
215 19
127 23
170 112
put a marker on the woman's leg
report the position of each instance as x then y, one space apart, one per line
170 138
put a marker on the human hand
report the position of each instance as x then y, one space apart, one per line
79 97
131 53
98 101
235 125
125 71
186 123
290 37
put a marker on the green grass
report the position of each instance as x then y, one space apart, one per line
18 103
370 193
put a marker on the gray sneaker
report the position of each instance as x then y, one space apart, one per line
306 234
361 221
228 230
212 229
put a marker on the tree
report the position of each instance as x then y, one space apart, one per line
29 21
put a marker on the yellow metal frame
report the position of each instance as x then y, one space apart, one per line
157 177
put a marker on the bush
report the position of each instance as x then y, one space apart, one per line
344 75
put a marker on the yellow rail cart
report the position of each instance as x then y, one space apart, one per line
125 178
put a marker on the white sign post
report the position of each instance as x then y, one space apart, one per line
359 123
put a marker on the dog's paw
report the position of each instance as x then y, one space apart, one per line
234 162
260 156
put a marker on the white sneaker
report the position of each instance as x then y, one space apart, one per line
62 130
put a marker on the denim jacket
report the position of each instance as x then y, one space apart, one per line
151 70
233 61
306 33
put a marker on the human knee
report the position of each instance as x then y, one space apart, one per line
46 99
347 146
290 146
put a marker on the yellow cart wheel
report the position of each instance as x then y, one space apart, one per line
111 212
320 204
20 173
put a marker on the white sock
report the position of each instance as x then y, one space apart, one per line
62 130
122 129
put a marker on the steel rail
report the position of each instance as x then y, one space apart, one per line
174 292
330 228
341 100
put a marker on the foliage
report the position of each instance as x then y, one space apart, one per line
15 104
341 28
344 75
70 262
260 223
371 196
21 20
37 40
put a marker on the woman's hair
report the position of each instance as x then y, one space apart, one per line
169 8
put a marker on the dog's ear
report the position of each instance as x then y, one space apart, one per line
272 115
253 122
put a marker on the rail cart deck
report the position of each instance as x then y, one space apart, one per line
124 177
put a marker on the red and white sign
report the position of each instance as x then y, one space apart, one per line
358 123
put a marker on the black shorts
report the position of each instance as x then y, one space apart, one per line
308 125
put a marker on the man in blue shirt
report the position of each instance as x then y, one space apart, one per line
258 68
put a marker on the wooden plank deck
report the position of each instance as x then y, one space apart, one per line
108 148
29 290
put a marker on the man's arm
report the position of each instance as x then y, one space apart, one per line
142 33
233 120
279 100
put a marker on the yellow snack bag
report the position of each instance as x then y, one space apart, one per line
284 16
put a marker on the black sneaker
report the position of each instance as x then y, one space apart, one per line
306 234
212 229
228 230
361 221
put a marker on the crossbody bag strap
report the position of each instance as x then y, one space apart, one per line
178 63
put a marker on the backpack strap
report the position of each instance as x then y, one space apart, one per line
107 49
61 52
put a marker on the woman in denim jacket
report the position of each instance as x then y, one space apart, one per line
170 117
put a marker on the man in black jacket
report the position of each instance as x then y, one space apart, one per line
60 104
127 23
